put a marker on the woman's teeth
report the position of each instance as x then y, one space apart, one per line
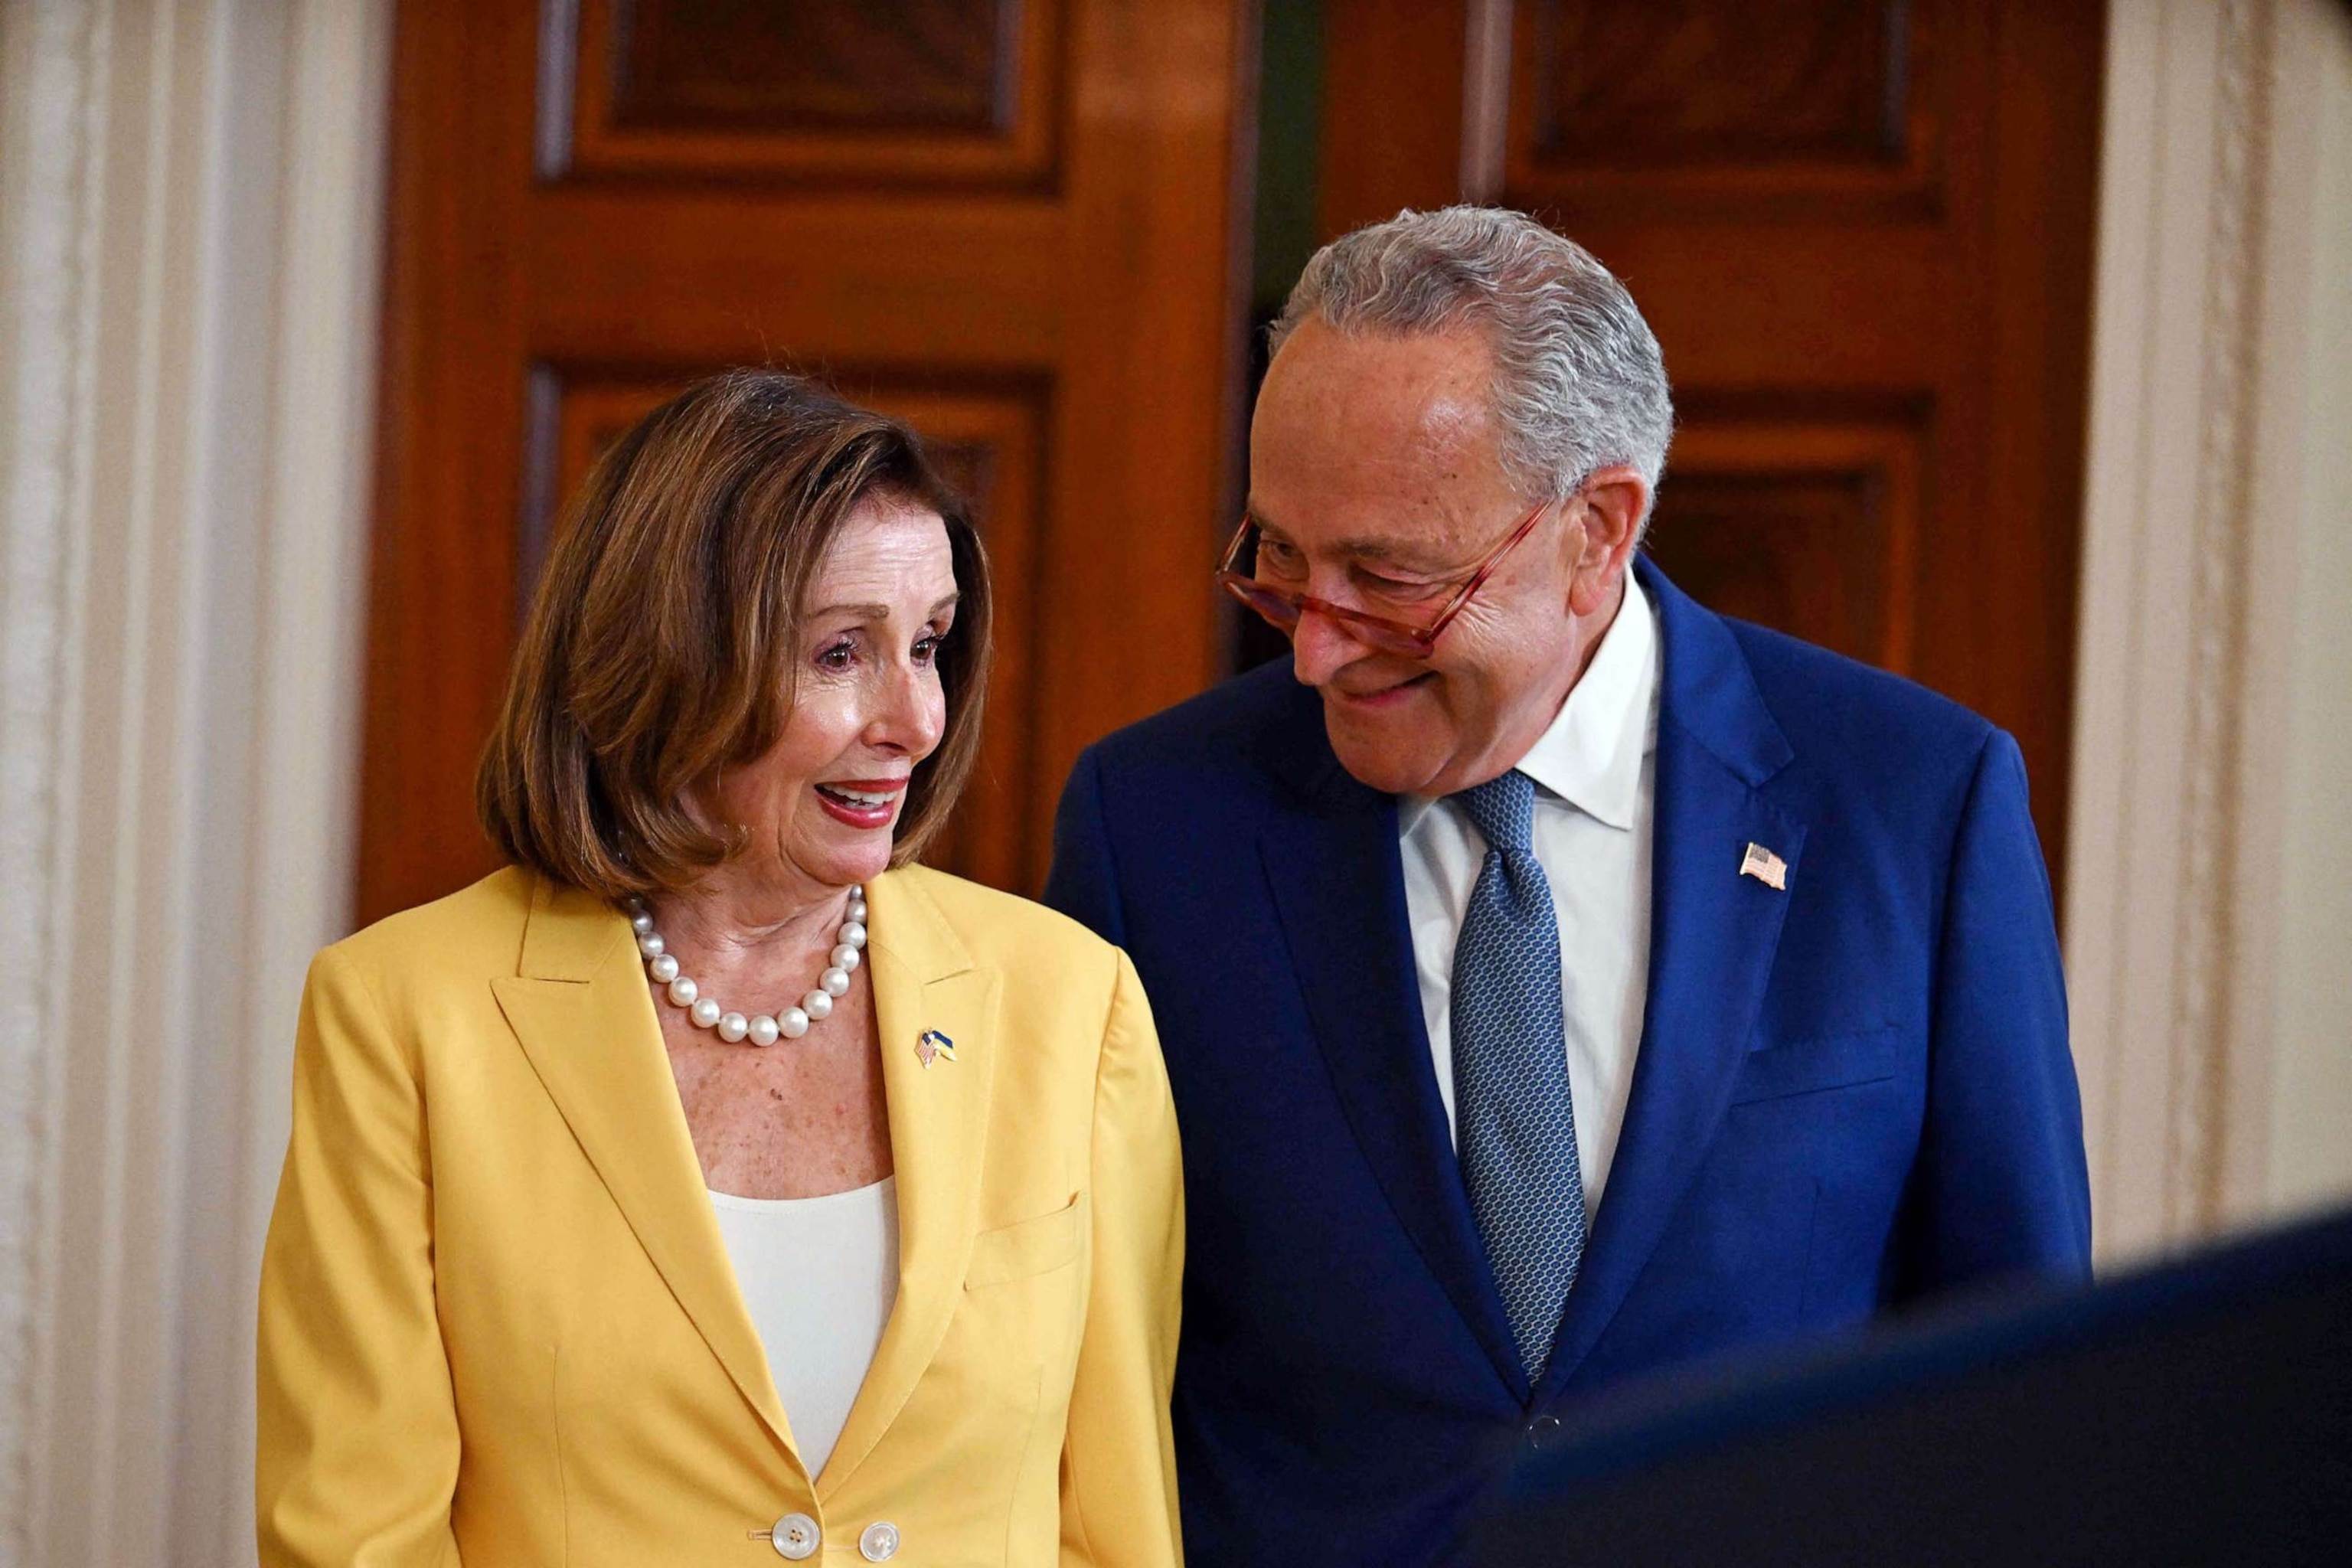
857 798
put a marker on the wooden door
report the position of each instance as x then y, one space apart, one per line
1008 221
1861 230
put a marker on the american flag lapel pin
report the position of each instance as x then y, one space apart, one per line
1766 867
931 1046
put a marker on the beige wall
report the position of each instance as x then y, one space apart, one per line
189 210
2208 917
2310 1156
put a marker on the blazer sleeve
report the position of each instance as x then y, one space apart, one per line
1119 1461
357 1459
1083 883
2003 1187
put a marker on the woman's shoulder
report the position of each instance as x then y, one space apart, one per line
984 916
1004 929
473 934
1065 994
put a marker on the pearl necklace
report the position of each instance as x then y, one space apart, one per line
759 1029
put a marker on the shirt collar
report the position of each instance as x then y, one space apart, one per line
1591 755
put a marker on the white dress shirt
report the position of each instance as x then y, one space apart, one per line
818 1275
1595 773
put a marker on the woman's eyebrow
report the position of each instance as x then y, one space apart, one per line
871 612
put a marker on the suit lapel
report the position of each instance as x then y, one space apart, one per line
585 1015
923 979
1339 887
1712 932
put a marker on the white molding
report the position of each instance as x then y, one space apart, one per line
2127 813
190 217
2208 980
1485 100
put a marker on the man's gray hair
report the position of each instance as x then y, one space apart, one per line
1579 383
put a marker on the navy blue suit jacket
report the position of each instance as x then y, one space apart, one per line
1848 1094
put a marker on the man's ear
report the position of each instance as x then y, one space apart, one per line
1614 502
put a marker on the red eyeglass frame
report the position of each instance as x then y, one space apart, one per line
1283 609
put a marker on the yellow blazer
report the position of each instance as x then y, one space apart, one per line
499 1323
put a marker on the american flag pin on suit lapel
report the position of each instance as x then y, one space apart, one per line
1766 867
931 1046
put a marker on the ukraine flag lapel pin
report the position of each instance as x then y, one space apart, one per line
932 1046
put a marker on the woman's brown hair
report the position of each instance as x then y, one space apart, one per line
660 647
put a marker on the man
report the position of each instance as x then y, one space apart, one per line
1558 981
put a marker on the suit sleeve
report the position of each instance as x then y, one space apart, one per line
1119 1462
357 1459
1083 883
2003 1187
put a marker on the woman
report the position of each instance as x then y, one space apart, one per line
714 1181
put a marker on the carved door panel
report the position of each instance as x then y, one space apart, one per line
1862 229
1008 221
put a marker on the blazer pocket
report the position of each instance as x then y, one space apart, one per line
1016 1251
1823 1062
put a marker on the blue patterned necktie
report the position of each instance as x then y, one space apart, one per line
1516 1129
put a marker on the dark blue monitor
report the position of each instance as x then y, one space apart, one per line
2197 1413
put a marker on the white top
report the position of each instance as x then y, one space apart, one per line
1596 772
819 1276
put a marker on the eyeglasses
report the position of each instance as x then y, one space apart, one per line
1283 609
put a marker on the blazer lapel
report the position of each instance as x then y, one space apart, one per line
1338 886
923 979
580 1006
1712 932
